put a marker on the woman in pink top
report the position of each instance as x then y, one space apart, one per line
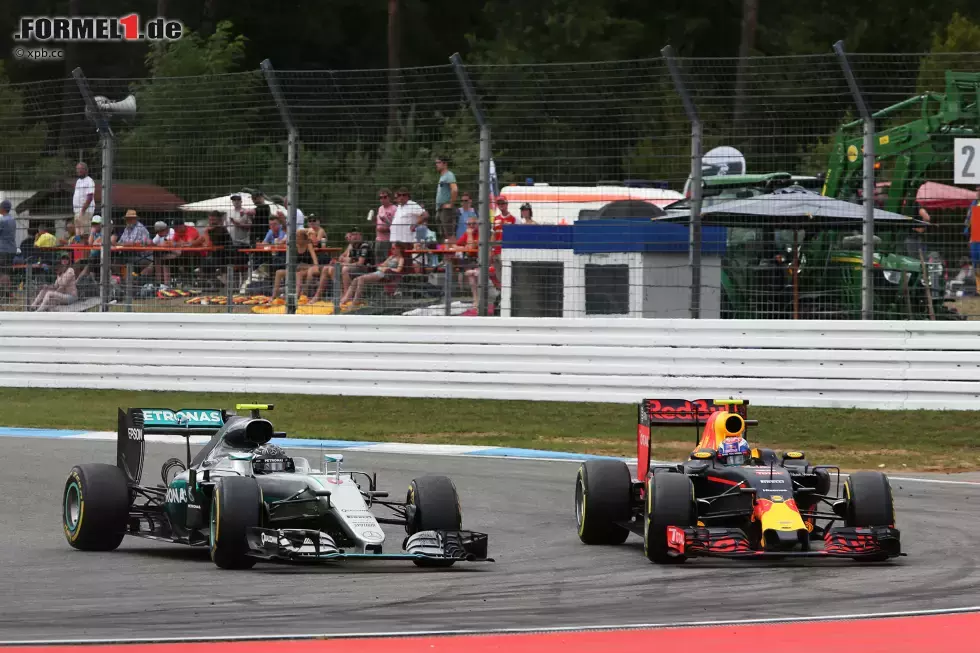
63 291
386 213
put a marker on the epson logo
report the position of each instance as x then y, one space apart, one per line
269 539
134 434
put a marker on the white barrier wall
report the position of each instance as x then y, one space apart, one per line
779 363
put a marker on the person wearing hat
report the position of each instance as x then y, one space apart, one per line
527 214
134 233
238 222
64 290
8 245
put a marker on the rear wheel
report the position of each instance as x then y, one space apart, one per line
236 506
433 506
95 507
602 501
670 502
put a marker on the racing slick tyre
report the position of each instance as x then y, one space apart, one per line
670 502
433 506
236 506
869 500
95 507
602 501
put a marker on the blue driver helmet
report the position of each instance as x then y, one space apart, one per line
734 451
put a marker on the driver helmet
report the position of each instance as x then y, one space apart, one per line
734 451
272 458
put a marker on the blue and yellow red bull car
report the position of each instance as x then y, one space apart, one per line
730 499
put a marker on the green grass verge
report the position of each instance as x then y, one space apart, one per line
853 439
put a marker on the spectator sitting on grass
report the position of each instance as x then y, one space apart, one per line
64 290
305 261
392 266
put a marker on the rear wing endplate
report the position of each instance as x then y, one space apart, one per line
134 424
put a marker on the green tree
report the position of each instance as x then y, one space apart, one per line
23 136
951 50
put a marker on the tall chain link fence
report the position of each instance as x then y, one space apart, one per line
666 187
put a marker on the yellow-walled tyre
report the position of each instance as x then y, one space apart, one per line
603 491
433 506
670 502
236 506
95 507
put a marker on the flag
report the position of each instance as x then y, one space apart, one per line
493 188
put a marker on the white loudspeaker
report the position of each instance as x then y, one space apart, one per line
124 108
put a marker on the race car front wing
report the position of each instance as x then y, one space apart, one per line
875 543
301 545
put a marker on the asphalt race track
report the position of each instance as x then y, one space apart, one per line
543 577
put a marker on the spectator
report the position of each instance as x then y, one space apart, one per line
134 234
72 239
464 214
277 233
94 238
217 238
469 242
317 235
160 268
64 290
357 258
408 216
391 268
83 200
300 217
8 247
504 217
386 214
527 214
44 237
238 222
914 245
305 261
973 231
446 194
260 215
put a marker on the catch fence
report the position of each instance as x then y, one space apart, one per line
663 188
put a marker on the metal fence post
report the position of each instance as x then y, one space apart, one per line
292 183
694 254
107 138
485 223
867 257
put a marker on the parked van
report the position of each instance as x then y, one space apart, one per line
566 204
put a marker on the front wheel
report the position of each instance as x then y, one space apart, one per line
95 507
670 502
236 506
433 505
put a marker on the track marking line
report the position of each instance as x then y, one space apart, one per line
508 631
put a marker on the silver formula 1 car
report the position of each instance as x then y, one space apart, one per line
246 500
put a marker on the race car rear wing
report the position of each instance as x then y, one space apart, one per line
679 412
136 423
